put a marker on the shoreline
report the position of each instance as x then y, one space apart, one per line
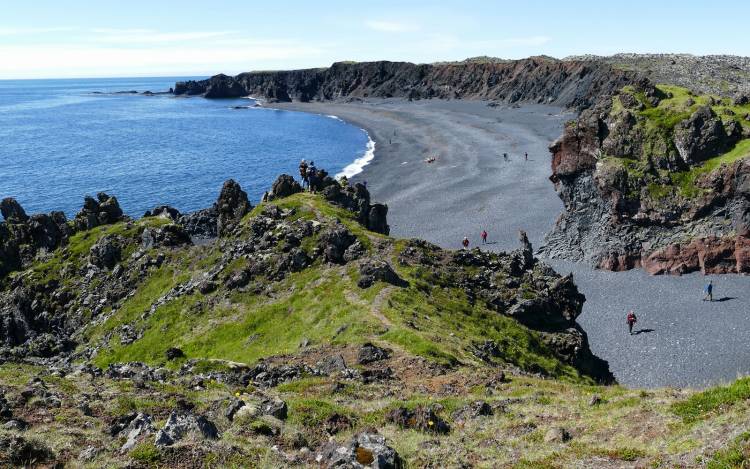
683 342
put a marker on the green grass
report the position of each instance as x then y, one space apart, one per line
711 400
735 456
685 181
146 453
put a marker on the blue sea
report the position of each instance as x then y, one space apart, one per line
63 139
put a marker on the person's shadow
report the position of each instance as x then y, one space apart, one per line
642 331
725 298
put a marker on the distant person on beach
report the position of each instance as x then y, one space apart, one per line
312 176
465 243
526 156
303 172
505 156
708 291
632 319
484 236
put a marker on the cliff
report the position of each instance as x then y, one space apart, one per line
540 79
655 177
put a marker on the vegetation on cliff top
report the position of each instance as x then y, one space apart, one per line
656 127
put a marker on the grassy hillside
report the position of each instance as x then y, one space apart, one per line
496 392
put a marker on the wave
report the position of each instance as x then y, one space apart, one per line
358 165
331 116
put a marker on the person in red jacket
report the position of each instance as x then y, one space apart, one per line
632 319
465 243
484 236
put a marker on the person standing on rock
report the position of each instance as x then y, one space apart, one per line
303 173
312 177
465 242
632 319
708 291
484 236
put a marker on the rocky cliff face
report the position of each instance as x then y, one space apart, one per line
540 80
657 178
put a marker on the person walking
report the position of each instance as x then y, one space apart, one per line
484 236
303 173
465 242
632 319
708 291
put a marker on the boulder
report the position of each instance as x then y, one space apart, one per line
164 236
201 224
138 428
375 270
106 252
370 353
182 422
12 211
366 449
284 186
231 206
334 242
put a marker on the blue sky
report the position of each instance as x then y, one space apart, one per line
45 39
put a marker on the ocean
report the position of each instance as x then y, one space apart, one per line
63 139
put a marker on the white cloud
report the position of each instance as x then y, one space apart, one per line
391 26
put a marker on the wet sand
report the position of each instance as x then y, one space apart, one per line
684 341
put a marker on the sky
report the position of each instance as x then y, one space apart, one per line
106 38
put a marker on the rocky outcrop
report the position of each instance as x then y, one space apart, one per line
231 206
635 194
284 186
551 310
536 79
103 210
